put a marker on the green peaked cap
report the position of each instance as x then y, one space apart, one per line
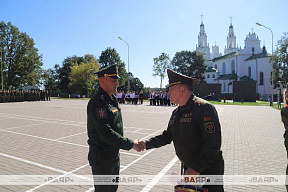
177 78
110 71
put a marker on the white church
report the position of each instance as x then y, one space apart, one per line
247 64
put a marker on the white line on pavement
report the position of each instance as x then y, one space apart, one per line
50 181
160 175
44 138
33 163
25 126
70 136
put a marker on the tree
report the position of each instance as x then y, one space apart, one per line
135 84
190 64
161 63
64 71
51 78
280 63
81 76
20 60
111 57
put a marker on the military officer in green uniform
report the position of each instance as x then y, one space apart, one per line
194 129
105 129
284 117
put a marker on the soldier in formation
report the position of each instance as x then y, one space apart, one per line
20 95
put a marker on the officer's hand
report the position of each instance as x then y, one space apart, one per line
143 143
137 146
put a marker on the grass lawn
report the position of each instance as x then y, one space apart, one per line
257 103
228 102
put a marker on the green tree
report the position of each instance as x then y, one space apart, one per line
135 84
280 63
21 62
161 63
81 76
50 78
65 70
111 57
190 64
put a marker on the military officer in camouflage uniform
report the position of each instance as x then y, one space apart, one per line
194 129
105 129
284 117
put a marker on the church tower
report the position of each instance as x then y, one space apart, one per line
231 40
203 46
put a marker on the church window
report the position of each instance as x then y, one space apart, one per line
249 71
208 76
261 78
203 41
232 43
271 78
213 76
253 49
204 53
233 66
224 68
224 87
215 66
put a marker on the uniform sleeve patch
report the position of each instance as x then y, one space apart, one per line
101 113
209 127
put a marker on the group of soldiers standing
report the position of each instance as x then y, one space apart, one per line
159 98
130 97
20 95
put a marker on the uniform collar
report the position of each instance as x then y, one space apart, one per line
106 97
189 103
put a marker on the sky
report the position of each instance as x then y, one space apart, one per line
64 28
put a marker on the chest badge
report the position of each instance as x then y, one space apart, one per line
101 113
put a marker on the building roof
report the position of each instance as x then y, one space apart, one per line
225 56
246 78
227 77
211 69
259 55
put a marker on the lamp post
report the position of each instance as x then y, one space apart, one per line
87 82
1 70
128 64
272 50
1 63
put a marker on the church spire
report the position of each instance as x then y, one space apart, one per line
201 19
231 39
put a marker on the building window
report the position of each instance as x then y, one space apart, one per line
224 68
208 76
204 53
233 44
224 87
249 71
261 78
253 49
203 41
233 66
215 66
213 76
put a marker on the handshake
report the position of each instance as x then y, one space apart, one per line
139 145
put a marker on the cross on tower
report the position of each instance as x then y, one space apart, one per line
201 19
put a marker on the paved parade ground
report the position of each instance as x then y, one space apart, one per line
49 138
